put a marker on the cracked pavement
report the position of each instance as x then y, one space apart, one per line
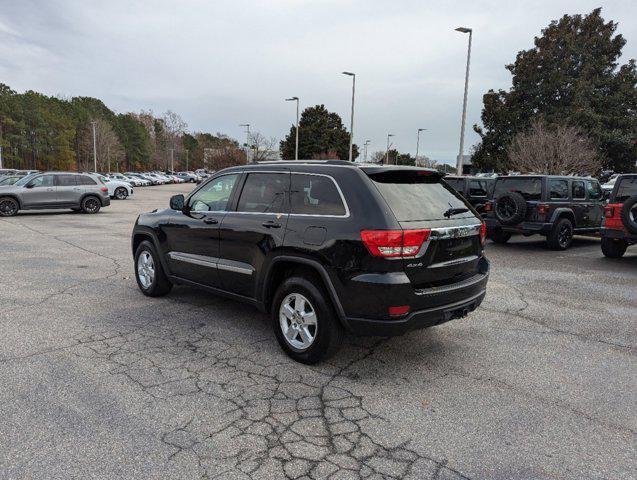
99 381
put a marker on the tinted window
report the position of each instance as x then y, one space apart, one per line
456 183
315 195
264 193
43 181
594 190
85 180
578 190
418 197
529 187
627 188
558 189
66 180
213 196
478 188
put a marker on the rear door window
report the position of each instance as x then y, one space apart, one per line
66 180
85 180
413 196
315 195
627 188
558 189
578 191
594 190
529 187
264 193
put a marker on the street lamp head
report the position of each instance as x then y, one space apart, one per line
291 99
390 134
463 30
349 73
422 129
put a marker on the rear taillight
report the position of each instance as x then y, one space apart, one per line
611 210
104 189
542 209
394 243
483 232
488 206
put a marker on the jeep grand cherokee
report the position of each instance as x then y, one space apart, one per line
324 247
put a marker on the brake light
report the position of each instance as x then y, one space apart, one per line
488 206
542 209
104 189
611 210
394 243
483 232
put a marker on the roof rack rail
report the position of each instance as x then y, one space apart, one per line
319 162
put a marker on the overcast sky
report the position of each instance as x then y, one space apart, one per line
221 63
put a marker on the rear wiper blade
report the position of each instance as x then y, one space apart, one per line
455 211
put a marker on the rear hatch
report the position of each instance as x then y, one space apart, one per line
420 200
529 187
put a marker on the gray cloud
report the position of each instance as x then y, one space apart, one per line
223 63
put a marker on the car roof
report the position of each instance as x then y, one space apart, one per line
539 175
306 165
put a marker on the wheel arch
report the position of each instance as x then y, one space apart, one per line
14 197
283 265
560 213
91 194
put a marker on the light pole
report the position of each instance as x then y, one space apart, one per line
351 126
387 151
187 151
464 101
367 142
172 160
418 142
296 148
94 149
247 125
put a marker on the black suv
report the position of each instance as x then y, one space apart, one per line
554 206
325 247
477 190
619 229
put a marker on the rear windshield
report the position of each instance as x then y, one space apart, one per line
418 197
529 187
627 188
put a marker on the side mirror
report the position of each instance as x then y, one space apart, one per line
29 185
177 202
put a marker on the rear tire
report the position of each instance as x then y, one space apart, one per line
8 207
561 235
613 247
500 236
628 214
150 275
91 204
300 305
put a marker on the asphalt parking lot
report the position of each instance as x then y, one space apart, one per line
99 381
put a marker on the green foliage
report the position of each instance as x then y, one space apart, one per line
135 140
321 135
571 77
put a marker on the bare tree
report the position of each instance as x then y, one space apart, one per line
261 147
560 150
174 127
426 162
378 157
107 144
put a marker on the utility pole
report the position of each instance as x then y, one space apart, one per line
296 149
94 149
172 159
247 125
351 125
464 101
387 151
108 157
367 142
418 143
0 156
187 151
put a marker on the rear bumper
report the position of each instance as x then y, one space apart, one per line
415 320
618 234
524 227
369 297
106 201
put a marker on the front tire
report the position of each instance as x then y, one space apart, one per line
121 193
304 321
150 275
8 207
613 247
561 235
91 205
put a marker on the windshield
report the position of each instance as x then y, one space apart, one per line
24 180
413 196
529 187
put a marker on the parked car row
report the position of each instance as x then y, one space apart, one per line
557 207
144 179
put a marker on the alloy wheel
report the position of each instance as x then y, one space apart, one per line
145 269
564 235
121 193
298 321
8 207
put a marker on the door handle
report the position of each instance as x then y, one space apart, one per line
271 224
210 221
